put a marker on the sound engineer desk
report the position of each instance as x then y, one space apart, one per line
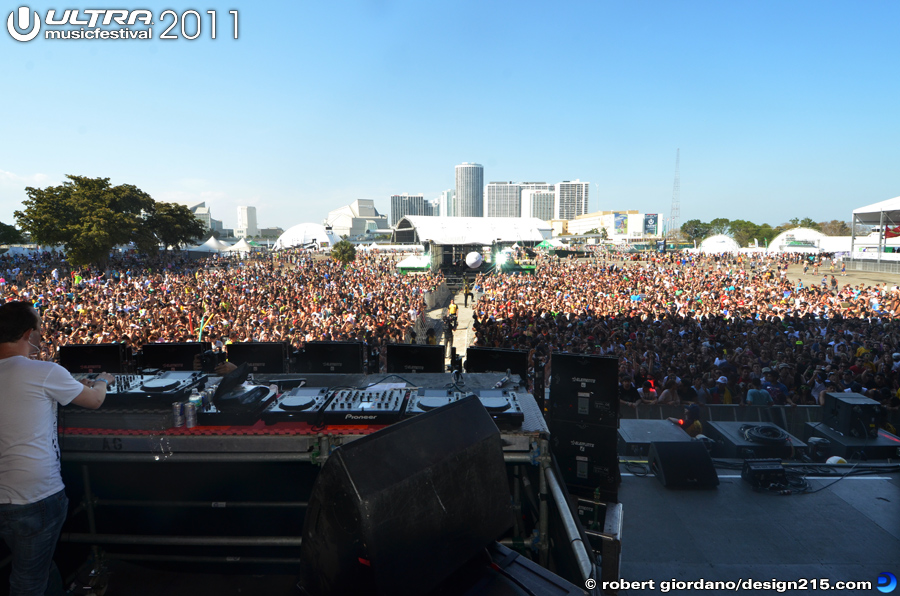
237 494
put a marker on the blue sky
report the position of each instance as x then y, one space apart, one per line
780 109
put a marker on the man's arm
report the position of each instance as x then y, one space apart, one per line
93 397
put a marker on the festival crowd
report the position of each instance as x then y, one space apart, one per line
686 328
295 296
702 329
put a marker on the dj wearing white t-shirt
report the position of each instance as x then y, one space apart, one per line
33 502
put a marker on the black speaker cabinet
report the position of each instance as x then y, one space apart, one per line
683 465
851 414
398 511
584 389
587 457
94 358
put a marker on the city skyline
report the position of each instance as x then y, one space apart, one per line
779 110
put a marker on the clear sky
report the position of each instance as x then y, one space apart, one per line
780 109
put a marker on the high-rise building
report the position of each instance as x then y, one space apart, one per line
571 199
469 201
447 198
406 204
246 226
538 203
502 199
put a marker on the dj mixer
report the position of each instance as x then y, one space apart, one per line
323 406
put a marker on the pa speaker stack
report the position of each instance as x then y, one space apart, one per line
583 421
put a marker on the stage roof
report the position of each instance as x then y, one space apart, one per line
474 230
870 215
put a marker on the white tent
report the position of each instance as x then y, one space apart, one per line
307 235
415 262
804 240
885 215
211 245
240 246
719 243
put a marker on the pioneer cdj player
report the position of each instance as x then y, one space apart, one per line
150 391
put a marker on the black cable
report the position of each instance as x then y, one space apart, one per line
638 469
767 435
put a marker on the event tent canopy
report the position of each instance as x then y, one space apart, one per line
240 246
211 245
870 215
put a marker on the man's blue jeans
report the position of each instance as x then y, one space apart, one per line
31 532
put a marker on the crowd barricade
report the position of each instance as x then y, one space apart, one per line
437 297
790 418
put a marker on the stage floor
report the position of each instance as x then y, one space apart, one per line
848 531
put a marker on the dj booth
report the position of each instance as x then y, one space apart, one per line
235 494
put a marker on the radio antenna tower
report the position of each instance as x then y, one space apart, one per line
675 215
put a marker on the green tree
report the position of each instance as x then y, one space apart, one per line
592 231
174 225
344 251
604 235
86 215
694 229
744 231
720 225
10 235
835 227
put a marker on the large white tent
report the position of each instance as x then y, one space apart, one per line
885 216
804 240
470 230
211 245
241 246
307 235
719 243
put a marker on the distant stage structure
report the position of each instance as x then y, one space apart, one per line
307 235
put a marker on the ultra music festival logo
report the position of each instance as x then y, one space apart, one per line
25 25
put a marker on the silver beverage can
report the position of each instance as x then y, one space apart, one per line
190 415
178 413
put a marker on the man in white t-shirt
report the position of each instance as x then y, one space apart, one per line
33 502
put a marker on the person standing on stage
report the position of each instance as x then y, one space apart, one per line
33 503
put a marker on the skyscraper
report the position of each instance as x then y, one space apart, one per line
406 204
447 197
571 199
246 223
469 200
502 199
538 203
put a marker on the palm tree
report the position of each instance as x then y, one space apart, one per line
344 251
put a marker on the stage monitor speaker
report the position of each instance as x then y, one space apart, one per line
94 358
584 389
267 357
479 360
332 357
172 356
851 414
682 465
414 358
397 511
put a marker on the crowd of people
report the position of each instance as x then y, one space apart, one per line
701 329
295 296
685 328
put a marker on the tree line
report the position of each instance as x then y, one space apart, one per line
89 216
744 232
